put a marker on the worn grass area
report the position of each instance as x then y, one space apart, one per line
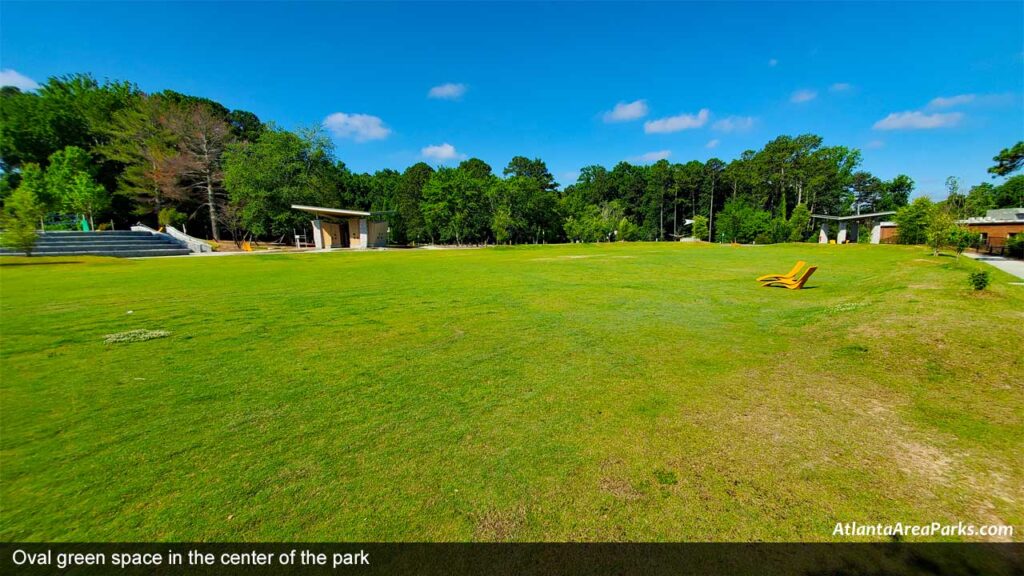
626 392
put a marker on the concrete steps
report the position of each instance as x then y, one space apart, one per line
117 243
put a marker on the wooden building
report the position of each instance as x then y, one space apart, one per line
996 226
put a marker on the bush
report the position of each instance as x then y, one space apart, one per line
1015 246
979 279
763 238
169 217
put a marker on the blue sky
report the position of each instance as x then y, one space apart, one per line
930 90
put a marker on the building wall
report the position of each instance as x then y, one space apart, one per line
997 233
377 234
887 234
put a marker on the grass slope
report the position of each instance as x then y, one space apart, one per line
608 392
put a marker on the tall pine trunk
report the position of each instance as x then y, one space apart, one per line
213 208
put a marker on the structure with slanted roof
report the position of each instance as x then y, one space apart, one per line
338 228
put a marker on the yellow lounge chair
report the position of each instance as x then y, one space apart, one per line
793 284
787 276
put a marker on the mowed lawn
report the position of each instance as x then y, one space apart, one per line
586 392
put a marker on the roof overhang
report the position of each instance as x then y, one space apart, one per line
853 217
321 211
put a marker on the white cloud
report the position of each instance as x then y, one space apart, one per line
875 144
951 101
10 77
801 96
358 127
840 87
917 121
713 143
734 124
652 156
447 91
677 123
441 152
773 62
625 111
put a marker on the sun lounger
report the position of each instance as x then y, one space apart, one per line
793 284
787 276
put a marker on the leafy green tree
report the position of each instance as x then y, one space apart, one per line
1009 194
895 193
867 192
1008 161
961 238
980 199
409 224
913 221
64 167
33 181
535 169
86 197
264 178
452 206
700 226
940 227
21 212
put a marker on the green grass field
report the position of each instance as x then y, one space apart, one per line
608 392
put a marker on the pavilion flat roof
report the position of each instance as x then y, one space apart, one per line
854 216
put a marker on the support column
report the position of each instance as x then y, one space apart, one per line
318 235
823 235
841 237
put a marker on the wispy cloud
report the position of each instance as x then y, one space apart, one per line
358 127
839 87
11 77
875 144
441 152
773 62
734 124
677 123
652 156
626 111
950 101
918 121
801 96
447 91
713 143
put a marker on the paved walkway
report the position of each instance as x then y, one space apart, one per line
1008 265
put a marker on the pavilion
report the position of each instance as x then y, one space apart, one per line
338 228
849 226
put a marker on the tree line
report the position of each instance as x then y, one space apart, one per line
107 153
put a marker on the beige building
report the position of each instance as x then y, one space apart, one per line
337 228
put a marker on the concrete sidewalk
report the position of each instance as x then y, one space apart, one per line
1008 265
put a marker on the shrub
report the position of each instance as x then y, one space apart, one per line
979 279
1015 246
763 238
169 217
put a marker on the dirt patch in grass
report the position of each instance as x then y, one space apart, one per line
499 525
